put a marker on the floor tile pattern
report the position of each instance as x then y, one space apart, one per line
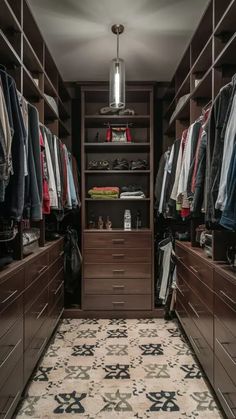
118 368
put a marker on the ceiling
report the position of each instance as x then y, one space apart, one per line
78 35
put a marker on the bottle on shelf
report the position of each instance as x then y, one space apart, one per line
100 223
127 220
108 223
138 221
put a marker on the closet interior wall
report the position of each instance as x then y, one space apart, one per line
206 290
31 288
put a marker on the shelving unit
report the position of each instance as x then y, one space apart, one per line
208 64
93 125
27 58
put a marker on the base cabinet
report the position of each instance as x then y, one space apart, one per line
206 308
31 304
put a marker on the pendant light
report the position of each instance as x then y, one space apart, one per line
117 75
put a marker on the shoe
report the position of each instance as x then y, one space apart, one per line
107 111
120 164
128 112
139 165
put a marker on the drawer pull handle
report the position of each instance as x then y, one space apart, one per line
194 310
118 303
225 350
228 297
12 293
118 287
42 346
194 269
118 241
118 255
226 402
118 271
10 353
41 312
61 253
179 258
194 344
12 404
42 269
58 288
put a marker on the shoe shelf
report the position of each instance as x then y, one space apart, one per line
124 172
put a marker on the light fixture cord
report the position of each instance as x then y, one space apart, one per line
117 52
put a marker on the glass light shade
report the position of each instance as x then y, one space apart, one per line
117 84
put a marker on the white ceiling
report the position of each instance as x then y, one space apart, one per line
79 37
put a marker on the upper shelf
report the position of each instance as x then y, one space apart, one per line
101 147
101 120
227 21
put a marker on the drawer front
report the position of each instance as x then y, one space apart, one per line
197 285
183 288
11 288
225 314
10 315
11 391
226 289
35 316
117 302
55 267
197 265
117 270
11 349
202 317
55 313
182 313
34 350
117 286
56 251
35 289
225 349
56 288
36 268
117 255
225 390
117 240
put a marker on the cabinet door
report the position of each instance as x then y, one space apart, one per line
225 390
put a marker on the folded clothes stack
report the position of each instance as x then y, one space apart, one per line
108 192
132 191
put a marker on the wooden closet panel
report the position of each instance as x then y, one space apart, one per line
36 267
225 348
110 240
117 255
117 302
225 390
10 315
225 288
117 286
35 317
11 391
117 270
11 287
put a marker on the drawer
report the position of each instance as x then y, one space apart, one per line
115 270
117 302
117 286
10 315
197 285
225 314
11 391
35 289
117 255
196 265
55 267
225 288
11 287
225 348
35 268
56 250
182 313
183 288
110 240
34 350
56 288
35 316
225 390
202 317
55 313
11 349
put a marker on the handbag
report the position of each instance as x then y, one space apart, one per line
118 135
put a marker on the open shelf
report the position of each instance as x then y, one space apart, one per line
227 21
132 147
64 130
30 59
8 54
8 19
227 56
50 113
118 200
31 90
63 110
204 88
49 88
100 120
117 230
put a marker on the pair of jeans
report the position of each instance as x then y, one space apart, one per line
228 219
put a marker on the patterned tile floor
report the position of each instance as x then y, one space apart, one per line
118 369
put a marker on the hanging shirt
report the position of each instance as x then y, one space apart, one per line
51 177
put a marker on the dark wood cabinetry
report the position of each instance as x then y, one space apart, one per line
206 308
31 304
117 275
